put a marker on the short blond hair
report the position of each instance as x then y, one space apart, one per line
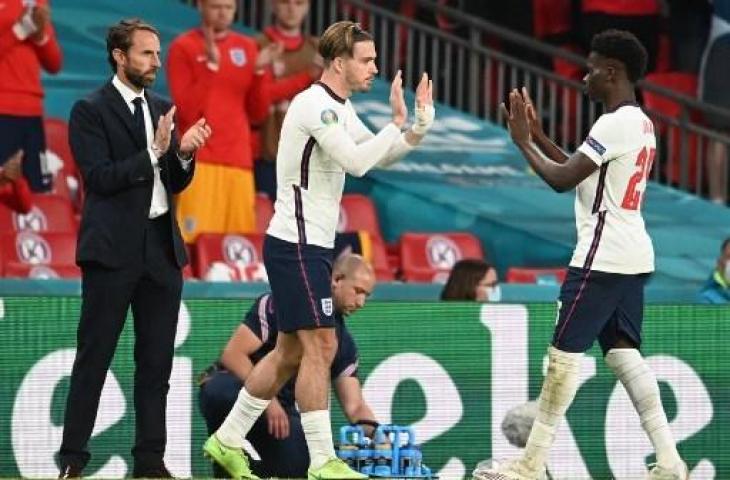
340 38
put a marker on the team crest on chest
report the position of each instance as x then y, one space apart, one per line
327 306
238 56
328 116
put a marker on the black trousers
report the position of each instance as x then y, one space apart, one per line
152 286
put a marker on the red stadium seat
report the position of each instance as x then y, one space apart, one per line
55 249
56 131
24 270
686 84
264 211
240 251
428 257
540 276
383 271
357 212
50 213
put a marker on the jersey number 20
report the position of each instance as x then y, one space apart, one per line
632 197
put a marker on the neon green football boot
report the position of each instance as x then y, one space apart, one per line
335 469
232 460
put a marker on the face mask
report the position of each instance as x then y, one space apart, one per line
494 294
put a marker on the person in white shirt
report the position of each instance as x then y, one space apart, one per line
322 139
603 295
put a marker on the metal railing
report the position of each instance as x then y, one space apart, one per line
471 76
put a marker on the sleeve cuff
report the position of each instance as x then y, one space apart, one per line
588 151
153 158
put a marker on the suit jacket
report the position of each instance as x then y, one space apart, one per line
118 178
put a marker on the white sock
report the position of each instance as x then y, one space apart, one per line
558 391
318 432
641 385
241 418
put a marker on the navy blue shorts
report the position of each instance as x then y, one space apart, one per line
26 133
301 283
599 305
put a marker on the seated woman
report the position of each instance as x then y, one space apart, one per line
472 279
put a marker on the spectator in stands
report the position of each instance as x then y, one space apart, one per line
640 17
220 74
301 63
27 44
717 288
472 279
14 189
277 435
714 73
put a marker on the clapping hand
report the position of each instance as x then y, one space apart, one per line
269 54
195 137
161 143
517 121
425 111
41 16
397 102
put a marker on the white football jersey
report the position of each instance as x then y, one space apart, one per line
322 139
611 233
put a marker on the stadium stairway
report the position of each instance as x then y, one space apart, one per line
467 176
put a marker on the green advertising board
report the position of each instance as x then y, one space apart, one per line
451 371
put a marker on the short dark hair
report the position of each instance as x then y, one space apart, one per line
120 36
340 38
725 243
464 278
625 47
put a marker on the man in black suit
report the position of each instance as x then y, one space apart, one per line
129 247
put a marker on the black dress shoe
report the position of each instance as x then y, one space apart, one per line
155 472
70 471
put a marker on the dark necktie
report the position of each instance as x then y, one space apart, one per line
139 128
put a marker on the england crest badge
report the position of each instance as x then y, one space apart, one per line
327 306
238 56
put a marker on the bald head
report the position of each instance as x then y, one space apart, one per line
353 280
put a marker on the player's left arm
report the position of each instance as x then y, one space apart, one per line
354 406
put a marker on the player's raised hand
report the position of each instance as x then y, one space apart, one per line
195 137
397 101
533 117
519 128
425 111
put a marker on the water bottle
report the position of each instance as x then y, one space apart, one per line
364 457
383 455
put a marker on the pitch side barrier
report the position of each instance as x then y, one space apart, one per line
451 371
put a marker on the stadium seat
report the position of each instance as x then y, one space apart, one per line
357 212
686 84
540 276
428 257
26 249
67 181
24 270
233 250
264 211
50 213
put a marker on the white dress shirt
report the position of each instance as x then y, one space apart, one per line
158 203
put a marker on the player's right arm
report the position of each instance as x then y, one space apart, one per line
236 356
